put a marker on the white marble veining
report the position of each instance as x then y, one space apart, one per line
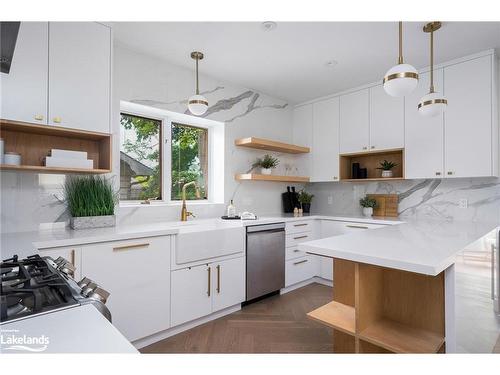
422 246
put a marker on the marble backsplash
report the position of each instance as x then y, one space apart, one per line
431 198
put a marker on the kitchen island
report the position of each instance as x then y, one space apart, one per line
394 287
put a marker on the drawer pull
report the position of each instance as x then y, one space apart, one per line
218 278
356 226
209 281
128 247
300 225
73 257
299 237
302 261
296 251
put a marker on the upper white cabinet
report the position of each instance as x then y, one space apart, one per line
468 128
354 122
24 88
424 136
302 135
325 145
80 75
387 120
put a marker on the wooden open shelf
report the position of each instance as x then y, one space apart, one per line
382 310
371 160
264 177
267 144
336 315
34 142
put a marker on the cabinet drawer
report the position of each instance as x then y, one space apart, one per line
298 226
296 238
293 252
299 269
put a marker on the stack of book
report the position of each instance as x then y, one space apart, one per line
68 159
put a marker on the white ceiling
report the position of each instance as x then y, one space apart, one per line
289 61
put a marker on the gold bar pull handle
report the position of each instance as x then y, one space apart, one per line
357 226
73 257
128 247
300 262
209 280
300 225
299 237
218 278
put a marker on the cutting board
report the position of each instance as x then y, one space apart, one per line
387 204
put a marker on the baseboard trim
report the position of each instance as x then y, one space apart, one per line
141 343
301 284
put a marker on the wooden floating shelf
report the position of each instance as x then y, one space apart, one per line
371 161
401 338
34 142
269 145
336 315
265 177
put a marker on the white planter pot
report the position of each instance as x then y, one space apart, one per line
266 171
367 211
88 222
386 174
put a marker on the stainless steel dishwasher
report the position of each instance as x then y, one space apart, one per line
265 259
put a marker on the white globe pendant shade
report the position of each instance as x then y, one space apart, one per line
400 80
433 104
197 105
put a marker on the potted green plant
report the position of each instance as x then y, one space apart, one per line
266 164
386 167
368 205
305 199
91 201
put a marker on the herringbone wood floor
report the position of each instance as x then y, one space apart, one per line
274 325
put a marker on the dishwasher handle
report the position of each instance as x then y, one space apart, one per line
280 227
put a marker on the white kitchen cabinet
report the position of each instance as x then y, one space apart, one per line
325 145
386 120
301 269
191 293
354 122
24 89
468 124
71 254
302 128
424 136
80 75
136 273
228 283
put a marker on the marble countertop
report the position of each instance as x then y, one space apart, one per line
422 246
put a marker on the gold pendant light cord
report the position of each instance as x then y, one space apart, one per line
432 63
400 58
197 85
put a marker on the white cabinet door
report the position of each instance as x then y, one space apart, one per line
301 269
302 135
354 122
71 254
137 274
468 121
387 120
80 75
325 150
24 89
191 293
228 283
326 268
424 154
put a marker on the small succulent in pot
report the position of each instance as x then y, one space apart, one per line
386 167
266 164
368 205
305 200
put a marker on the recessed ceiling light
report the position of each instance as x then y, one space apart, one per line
331 63
269 25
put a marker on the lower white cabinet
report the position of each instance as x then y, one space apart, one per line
137 274
201 290
71 254
300 269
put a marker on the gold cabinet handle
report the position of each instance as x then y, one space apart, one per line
438 173
39 117
450 173
300 237
356 226
300 225
296 250
335 178
373 147
128 247
302 261
57 120
218 278
365 148
73 257
209 281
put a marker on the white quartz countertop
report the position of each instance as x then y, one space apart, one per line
80 329
422 246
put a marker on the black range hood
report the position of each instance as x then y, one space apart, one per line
8 38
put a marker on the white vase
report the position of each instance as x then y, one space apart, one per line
387 174
266 171
367 211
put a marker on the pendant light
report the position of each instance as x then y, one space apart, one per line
401 79
197 104
432 104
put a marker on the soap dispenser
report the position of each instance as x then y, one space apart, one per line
231 209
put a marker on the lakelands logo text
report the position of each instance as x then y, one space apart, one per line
12 340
